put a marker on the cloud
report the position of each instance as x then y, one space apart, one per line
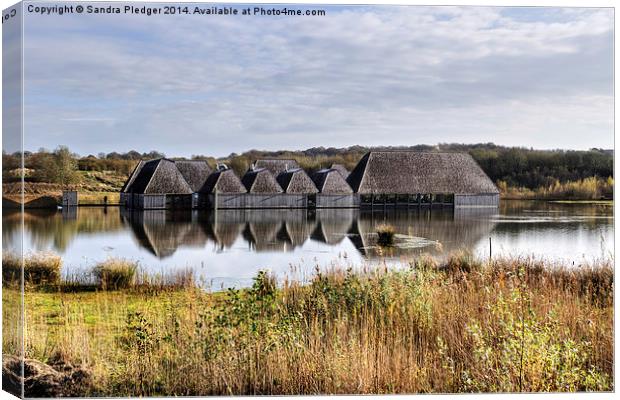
360 75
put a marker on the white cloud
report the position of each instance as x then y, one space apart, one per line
360 75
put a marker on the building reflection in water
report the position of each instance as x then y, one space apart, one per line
162 232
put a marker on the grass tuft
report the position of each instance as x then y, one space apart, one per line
386 235
39 268
115 273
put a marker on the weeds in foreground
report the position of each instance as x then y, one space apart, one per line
458 326
38 268
115 273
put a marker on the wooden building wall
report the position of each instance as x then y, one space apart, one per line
337 200
253 201
476 200
149 201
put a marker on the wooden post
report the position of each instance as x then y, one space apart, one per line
490 249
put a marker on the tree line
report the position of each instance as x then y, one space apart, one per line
510 166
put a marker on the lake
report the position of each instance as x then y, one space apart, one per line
227 248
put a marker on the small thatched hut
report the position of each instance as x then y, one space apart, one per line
296 181
341 169
260 180
159 184
410 177
334 191
223 189
329 181
275 165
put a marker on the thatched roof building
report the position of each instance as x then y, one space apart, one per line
409 172
329 181
260 181
275 165
341 169
223 181
159 176
195 172
296 181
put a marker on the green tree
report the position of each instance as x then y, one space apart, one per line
61 167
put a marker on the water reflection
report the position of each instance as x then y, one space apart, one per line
163 232
185 237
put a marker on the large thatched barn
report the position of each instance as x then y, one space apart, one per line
380 179
158 184
422 178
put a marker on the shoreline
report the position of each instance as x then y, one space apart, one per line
52 202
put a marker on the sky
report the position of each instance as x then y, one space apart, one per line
361 75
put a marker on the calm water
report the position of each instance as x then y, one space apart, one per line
228 247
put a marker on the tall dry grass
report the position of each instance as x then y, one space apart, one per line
592 188
37 268
463 325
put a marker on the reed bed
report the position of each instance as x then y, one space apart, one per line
461 325
38 268
592 188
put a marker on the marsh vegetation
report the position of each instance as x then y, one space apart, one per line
458 325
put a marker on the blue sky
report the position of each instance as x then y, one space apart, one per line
184 85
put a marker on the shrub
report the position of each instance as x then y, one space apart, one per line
463 261
115 273
39 268
386 235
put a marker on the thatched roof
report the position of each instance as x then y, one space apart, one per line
224 181
160 176
406 172
132 177
276 166
260 181
296 181
195 172
341 169
329 181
